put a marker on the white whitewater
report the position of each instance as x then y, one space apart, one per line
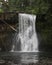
27 33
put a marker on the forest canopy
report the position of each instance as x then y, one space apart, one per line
32 6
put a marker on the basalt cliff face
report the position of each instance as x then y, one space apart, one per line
7 26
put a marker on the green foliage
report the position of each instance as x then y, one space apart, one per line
33 6
1 11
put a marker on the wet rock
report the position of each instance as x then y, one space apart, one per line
2 62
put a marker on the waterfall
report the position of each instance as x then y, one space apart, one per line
27 33
26 40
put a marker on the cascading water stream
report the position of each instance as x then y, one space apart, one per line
27 33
